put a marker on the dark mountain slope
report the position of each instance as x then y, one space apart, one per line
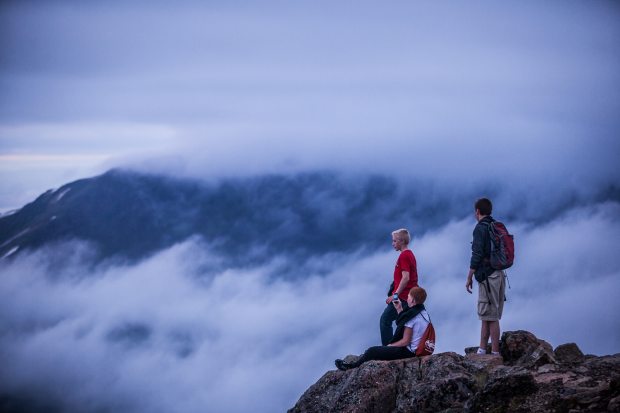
130 215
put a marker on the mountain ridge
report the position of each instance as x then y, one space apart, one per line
131 215
126 215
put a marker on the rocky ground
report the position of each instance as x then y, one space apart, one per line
530 376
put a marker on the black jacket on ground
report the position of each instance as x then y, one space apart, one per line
402 319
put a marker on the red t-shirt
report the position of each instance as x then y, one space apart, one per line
406 262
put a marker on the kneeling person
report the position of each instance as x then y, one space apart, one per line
410 327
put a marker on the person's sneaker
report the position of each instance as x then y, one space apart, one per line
341 365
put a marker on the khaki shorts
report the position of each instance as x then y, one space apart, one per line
491 305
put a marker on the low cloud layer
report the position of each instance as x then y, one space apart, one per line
167 335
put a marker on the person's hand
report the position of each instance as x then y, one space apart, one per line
398 306
388 300
469 284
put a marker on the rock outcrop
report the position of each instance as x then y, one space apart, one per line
529 376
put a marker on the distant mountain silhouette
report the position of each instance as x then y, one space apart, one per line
130 215
127 215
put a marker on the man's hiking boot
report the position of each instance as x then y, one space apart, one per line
342 365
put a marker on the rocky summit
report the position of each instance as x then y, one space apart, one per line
528 376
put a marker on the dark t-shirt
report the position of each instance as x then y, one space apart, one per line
406 262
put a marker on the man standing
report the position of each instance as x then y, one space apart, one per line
405 278
491 283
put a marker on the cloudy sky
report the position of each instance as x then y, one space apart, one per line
223 88
521 97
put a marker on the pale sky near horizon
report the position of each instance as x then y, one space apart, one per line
226 88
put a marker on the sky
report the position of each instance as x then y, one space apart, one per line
521 97
231 88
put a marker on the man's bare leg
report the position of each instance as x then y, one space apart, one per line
484 335
493 328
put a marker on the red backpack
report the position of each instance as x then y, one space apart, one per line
426 347
502 246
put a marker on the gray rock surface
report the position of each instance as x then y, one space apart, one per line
569 353
527 377
524 349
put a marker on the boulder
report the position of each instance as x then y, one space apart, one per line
569 353
527 378
522 348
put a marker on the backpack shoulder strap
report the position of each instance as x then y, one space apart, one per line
429 317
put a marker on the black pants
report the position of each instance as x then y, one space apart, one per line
384 353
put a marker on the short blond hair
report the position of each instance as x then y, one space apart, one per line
403 235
